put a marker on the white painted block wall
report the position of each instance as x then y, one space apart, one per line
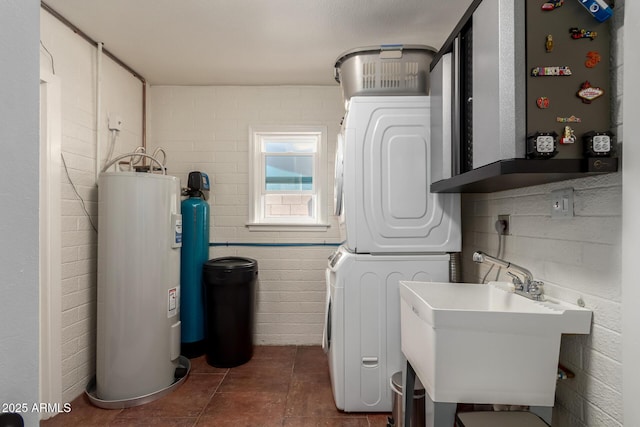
578 257
74 62
207 129
630 223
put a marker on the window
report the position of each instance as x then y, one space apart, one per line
288 175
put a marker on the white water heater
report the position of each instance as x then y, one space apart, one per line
138 326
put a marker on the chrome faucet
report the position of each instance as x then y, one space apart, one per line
521 278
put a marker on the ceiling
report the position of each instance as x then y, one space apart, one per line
253 42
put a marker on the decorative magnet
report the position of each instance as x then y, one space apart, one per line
548 44
551 71
542 102
588 93
550 5
593 59
572 119
568 136
581 33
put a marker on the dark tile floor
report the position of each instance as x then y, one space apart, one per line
284 386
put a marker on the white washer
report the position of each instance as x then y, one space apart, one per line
362 324
383 179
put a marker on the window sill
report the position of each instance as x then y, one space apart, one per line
287 227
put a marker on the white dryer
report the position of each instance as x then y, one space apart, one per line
362 324
383 180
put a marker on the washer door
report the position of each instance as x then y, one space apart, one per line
326 332
339 178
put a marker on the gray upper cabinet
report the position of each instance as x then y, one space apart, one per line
506 111
498 81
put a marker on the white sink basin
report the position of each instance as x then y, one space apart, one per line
475 343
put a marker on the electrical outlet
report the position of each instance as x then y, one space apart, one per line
502 224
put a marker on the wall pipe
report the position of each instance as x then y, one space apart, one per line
144 116
98 111
271 245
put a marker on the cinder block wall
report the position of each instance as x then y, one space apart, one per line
207 129
74 62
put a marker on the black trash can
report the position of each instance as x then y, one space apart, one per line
229 303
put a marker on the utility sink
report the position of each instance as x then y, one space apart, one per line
482 343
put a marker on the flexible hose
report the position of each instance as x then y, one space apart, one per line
137 159
498 255
160 151
124 156
112 144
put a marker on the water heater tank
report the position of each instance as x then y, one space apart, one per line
138 323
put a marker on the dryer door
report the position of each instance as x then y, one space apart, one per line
339 178
395 210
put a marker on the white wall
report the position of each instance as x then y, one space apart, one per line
630 223
75 63
207 129
576 258
19 175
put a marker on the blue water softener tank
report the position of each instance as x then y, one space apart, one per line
195 252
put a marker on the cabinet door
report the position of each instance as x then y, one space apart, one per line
498 81
441 120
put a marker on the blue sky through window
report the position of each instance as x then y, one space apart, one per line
289 173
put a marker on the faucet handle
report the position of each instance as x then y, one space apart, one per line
515 280
536 289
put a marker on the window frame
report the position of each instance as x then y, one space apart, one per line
258 220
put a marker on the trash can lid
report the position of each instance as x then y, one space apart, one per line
396 382
231 263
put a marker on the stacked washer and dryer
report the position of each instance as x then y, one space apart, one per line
394 229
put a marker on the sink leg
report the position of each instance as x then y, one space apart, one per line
407 393
544 412
437 414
